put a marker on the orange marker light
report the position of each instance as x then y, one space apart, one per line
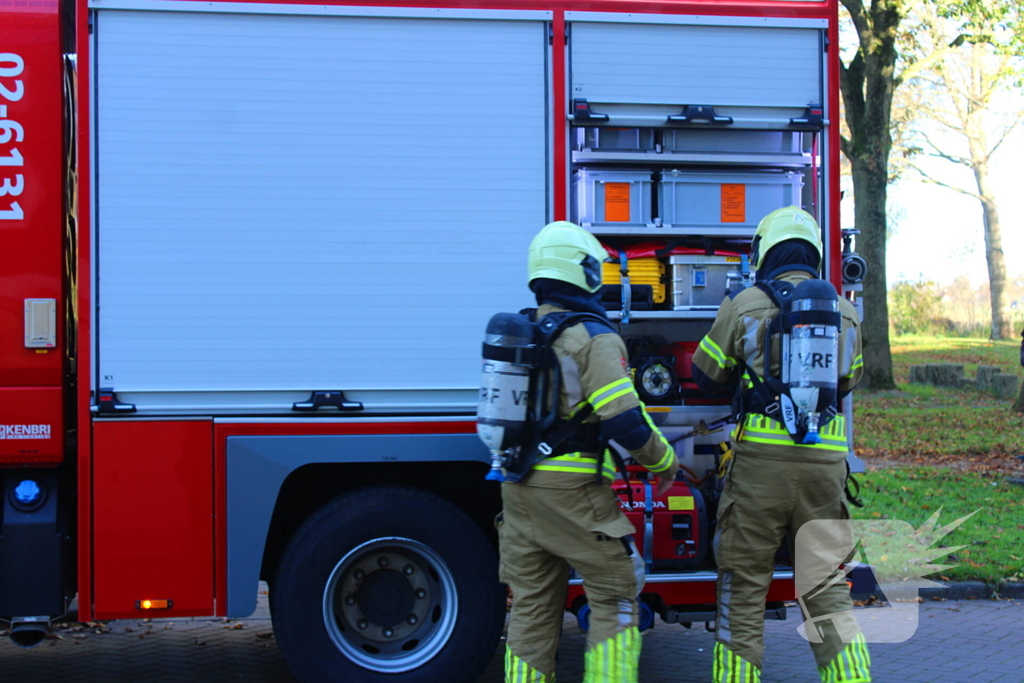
154 604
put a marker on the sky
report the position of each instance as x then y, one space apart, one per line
938 232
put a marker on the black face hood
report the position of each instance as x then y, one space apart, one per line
789 255
569 297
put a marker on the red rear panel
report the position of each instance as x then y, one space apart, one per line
153 517
30 226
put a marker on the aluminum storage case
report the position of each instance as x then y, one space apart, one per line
722 201
754 142
615 139
612 198
701 282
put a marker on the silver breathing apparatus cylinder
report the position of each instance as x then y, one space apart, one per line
502 413
810 357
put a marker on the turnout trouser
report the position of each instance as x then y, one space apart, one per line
542 533
765 501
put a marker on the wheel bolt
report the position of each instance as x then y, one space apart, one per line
408 570
388 632
350 599
420 593
359 575
382 562
412 619
362 623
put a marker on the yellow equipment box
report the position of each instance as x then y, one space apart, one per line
642 271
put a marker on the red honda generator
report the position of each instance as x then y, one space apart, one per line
671 530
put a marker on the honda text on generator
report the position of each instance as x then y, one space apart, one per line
249 249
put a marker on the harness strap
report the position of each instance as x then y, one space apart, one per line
627 296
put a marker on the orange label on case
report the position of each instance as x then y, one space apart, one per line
616 202
734 203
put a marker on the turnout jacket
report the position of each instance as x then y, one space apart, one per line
739 333
595 370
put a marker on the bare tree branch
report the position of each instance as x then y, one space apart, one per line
1002 138
925 177
960 161
928 61
937 152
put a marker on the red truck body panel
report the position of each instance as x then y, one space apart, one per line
153 517
31 191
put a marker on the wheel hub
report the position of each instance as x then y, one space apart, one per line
391 604
386 597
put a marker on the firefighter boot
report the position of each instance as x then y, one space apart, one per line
851 665
730 667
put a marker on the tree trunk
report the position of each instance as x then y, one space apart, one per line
1018 405
1001 326
867 84
976 131
870 182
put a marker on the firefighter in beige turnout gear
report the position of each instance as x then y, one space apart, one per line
563 514
776 485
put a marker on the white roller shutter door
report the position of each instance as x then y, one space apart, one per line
295 203
666 64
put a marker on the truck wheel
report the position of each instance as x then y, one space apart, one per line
388 584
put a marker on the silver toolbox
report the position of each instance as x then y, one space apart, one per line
756 142
701 282
613 199
615 139
724 200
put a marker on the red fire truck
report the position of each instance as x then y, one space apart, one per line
249 249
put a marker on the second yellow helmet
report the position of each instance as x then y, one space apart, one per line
789 223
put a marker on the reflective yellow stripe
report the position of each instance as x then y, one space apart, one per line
858 362
716 353
789 442
614 660
666 460
607 389
665 463
851 665
570 462
728 667
763 429
606 401
608 466
518 671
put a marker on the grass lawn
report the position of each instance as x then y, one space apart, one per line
993 536
934 425
930 447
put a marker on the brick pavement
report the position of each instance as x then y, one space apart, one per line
980 641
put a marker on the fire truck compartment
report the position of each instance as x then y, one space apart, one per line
760 74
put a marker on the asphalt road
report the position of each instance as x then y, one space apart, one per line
980 641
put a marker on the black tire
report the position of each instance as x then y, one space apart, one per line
339 588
